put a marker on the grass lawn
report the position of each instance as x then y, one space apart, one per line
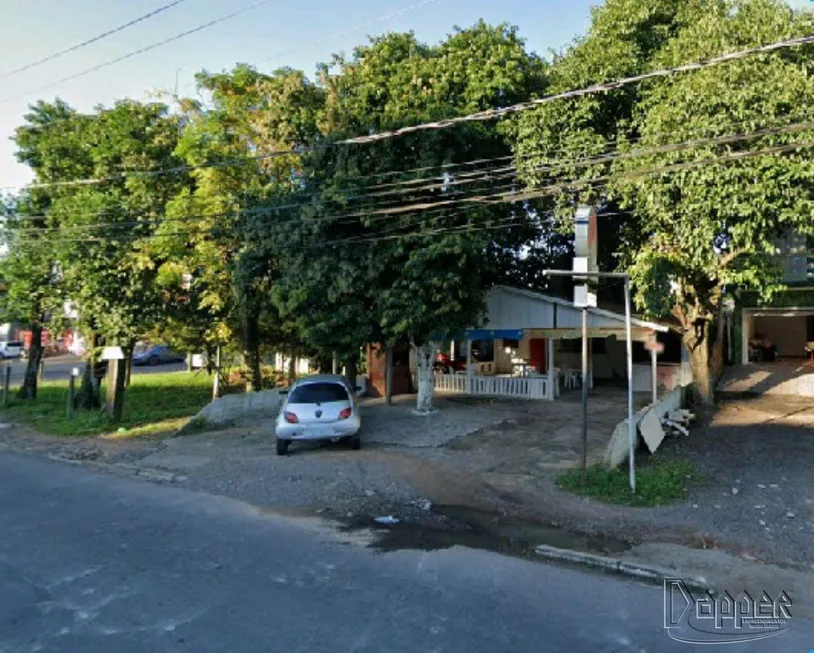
657 482
154 403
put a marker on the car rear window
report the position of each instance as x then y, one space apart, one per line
14 343
318 393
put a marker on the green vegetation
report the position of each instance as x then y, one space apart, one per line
657 483
155 403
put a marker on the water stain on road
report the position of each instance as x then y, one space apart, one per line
448 526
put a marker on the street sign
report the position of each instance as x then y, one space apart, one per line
112 354
654 345
584 298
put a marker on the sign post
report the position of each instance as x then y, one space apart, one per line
116 372
631 427
585 250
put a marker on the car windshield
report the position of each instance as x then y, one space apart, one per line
14 343
318 393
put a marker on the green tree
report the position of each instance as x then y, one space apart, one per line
225 250
378 270
697 231
102 238
31 285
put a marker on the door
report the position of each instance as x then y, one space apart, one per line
538 348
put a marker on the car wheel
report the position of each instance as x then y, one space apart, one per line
356 443
154 360
282 447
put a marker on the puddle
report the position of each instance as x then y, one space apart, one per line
449 526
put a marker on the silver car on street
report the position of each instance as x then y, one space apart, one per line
322 407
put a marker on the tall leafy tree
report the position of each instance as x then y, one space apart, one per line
226 217
693 233
409 263
103 230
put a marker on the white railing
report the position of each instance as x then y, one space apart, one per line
495 386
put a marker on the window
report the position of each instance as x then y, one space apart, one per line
318 393
513 344
483 351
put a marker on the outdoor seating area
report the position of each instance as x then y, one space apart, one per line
523 353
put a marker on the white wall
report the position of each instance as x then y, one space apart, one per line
788 333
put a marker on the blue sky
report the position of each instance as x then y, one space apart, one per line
31 29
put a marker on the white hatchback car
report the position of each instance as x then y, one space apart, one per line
11 349
322 407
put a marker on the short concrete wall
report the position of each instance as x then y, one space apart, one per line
617 450
238 408
246 407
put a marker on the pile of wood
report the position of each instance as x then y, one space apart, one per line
676 422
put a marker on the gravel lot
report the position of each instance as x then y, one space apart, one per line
756 499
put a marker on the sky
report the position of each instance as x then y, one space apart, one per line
281 32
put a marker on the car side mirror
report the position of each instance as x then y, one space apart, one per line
358 388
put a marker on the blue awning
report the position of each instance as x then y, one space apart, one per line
494 334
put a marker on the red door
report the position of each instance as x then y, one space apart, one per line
538 350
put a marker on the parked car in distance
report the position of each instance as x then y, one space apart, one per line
11 349
322 407
156 355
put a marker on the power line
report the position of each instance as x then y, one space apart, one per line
493 199
488 114
350 30
490 175
143 50
445 168
90 41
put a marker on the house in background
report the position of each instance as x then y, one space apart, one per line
771 344
529 346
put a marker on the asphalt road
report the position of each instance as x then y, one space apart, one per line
91 562
59 367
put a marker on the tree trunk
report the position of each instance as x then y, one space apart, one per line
699 347
251 354
352 369
292 369
717 353
217 377
426 382
35 353
128 361
88 396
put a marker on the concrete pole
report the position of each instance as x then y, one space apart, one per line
631 428
584 389
334 364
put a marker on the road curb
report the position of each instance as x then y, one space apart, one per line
624 567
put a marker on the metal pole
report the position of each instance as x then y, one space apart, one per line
41 366
654 372
584 389
631 429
